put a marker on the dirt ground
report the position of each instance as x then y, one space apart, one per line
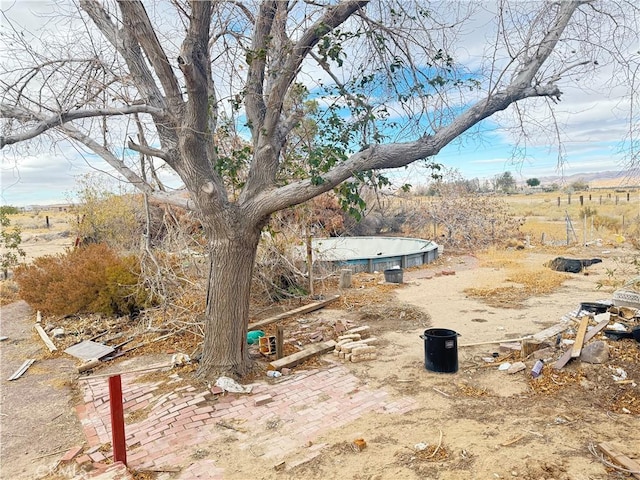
479 423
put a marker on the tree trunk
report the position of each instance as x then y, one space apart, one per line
232 255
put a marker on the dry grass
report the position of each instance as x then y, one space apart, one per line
36 221
525 281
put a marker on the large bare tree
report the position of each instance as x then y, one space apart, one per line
181 83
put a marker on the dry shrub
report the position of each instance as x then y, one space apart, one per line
8 292
606 222
88 279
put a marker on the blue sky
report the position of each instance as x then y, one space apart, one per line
591 120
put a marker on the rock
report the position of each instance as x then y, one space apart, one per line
596 352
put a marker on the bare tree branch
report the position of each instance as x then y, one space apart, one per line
47 123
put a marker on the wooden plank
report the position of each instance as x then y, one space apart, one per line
627 463
23 368
493 342
552 331
296 311
566 357
579 341
299 357
45 338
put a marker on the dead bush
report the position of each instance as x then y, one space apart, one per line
88 279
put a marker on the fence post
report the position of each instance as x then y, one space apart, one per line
117 420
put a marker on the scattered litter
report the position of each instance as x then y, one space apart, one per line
419 447
2 339
88 350
504 366
254 336
620 374
273 374
230 385
488 359
618 327
179 359
359 444
57 332
537 369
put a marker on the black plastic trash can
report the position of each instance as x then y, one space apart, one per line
440 350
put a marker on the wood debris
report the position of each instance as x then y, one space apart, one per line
45 338
299 357
627 463
296 311
580 337
566 357
23 368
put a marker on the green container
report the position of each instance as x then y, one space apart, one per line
253 337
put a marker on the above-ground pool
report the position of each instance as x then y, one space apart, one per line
369 254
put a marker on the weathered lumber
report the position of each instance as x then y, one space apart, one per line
566 357
90 365
296 311
299 357
552 331
23 368
627 463
492 342
579 341
45 338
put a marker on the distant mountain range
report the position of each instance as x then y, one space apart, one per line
596 179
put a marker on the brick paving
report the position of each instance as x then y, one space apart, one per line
178 423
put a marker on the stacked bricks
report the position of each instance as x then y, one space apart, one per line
352 347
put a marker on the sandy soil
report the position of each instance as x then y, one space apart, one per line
38 419
488 424
482 423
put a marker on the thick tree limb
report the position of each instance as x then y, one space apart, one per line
135 15
51 121
147 150
524 77
396 155
195 154
126 44
265 117
257 60
108 157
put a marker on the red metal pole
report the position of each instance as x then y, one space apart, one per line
117 420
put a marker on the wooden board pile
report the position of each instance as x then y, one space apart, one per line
356 345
